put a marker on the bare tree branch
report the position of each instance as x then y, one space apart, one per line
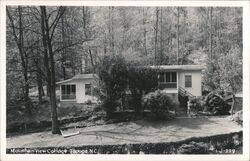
55 22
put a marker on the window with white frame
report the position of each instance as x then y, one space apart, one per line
168 79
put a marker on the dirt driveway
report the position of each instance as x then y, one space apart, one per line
130 132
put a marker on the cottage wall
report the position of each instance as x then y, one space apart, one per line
80 90
196 81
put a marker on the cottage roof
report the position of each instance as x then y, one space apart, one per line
77 77
178 67
64 81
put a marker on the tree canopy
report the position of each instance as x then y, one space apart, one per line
46 44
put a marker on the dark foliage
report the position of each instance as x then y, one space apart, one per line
118 79
159 103
216 104
112 73
212 104
140 81
197 104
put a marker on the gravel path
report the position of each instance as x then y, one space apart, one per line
130 132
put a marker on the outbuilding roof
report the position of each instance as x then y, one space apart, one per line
178 67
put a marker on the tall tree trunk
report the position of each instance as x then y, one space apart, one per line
207 29
219 31
84 20
105 46
161 39
178 32
24 60
19 39
144 32
210 32
87 34
55 123
169 45
39 80
156 35
64 50
111 30
185 52
47 67
40 86
184 28
91 60
124 29
46 57
233 104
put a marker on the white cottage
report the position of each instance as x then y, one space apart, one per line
180 78
78 89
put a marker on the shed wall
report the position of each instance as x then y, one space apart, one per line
80 89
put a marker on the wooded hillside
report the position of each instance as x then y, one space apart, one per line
48 44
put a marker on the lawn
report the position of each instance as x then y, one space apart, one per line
130 132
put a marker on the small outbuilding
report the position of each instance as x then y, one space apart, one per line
78 89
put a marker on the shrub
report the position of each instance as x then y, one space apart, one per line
196 104
216 104
140 80
159 103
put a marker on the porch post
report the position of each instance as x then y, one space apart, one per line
177 80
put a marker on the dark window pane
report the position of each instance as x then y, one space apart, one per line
174 77
161 77
188 81
63 89
68 89
168 77
87 89
73 89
